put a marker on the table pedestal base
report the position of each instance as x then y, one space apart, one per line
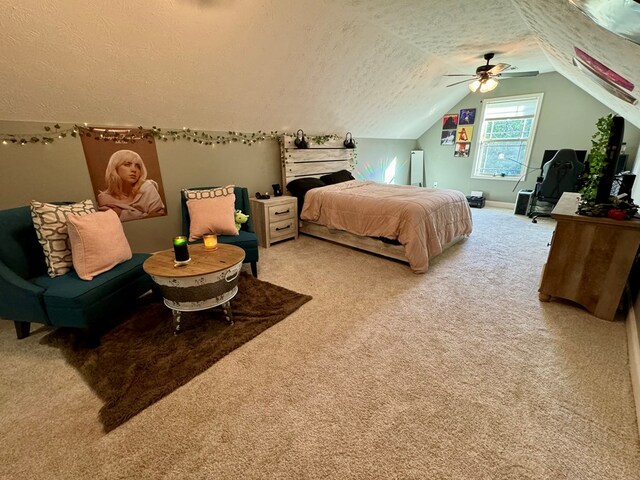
177 315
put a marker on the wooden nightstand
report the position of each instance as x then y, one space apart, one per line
274 219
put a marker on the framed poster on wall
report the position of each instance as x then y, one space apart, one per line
125 172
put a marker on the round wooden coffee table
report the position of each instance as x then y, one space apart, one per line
210 279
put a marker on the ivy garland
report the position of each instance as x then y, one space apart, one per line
597 158
128 136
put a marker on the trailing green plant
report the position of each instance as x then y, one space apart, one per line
322 139
597 158
616 207
132 135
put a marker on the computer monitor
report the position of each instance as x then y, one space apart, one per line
621 164
611 159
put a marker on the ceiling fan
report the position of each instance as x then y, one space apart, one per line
485 77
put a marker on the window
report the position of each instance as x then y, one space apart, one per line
506 134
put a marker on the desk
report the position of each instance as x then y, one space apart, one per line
590 258
210 279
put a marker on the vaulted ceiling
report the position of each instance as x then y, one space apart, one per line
373 67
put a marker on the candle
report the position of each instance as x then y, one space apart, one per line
181 249
210 241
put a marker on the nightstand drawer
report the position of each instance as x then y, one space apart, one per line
282 229
278 213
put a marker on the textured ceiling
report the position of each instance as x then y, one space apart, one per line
373 67
560 26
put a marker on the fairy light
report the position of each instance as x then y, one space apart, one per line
132 135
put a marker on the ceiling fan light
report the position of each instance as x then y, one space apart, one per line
474 86
489 85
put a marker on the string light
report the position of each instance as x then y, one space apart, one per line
132 135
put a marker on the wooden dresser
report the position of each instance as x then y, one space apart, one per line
590 258
274 219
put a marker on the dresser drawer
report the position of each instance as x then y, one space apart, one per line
278 213
282 229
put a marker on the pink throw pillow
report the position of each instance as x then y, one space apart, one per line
98 243
212 215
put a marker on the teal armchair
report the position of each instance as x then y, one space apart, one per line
247 239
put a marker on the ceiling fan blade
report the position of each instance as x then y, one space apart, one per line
459 75
458 83
497 69
532 73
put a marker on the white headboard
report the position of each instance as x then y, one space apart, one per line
314 161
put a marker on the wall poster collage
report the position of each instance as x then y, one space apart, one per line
457 130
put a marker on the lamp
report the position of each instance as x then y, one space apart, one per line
484 84
474 86
488 85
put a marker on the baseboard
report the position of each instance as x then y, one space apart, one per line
491 203
634 357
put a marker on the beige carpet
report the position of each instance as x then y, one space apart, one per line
460 373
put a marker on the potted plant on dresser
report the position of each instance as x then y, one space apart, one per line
595 195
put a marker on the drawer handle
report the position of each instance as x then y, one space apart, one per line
282 228
282 213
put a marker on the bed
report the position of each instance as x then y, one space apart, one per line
407 223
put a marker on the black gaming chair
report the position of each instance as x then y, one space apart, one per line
560 174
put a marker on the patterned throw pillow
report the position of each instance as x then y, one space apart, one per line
50 223
208 193
212 216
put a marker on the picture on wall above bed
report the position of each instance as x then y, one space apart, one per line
125 172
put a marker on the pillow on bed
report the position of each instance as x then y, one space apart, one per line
337 177
300 186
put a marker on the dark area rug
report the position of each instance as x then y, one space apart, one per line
140 361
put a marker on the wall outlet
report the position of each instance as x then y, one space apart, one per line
435 184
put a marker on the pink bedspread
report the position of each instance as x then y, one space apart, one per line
421 219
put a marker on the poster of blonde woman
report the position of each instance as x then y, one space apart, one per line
125 172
